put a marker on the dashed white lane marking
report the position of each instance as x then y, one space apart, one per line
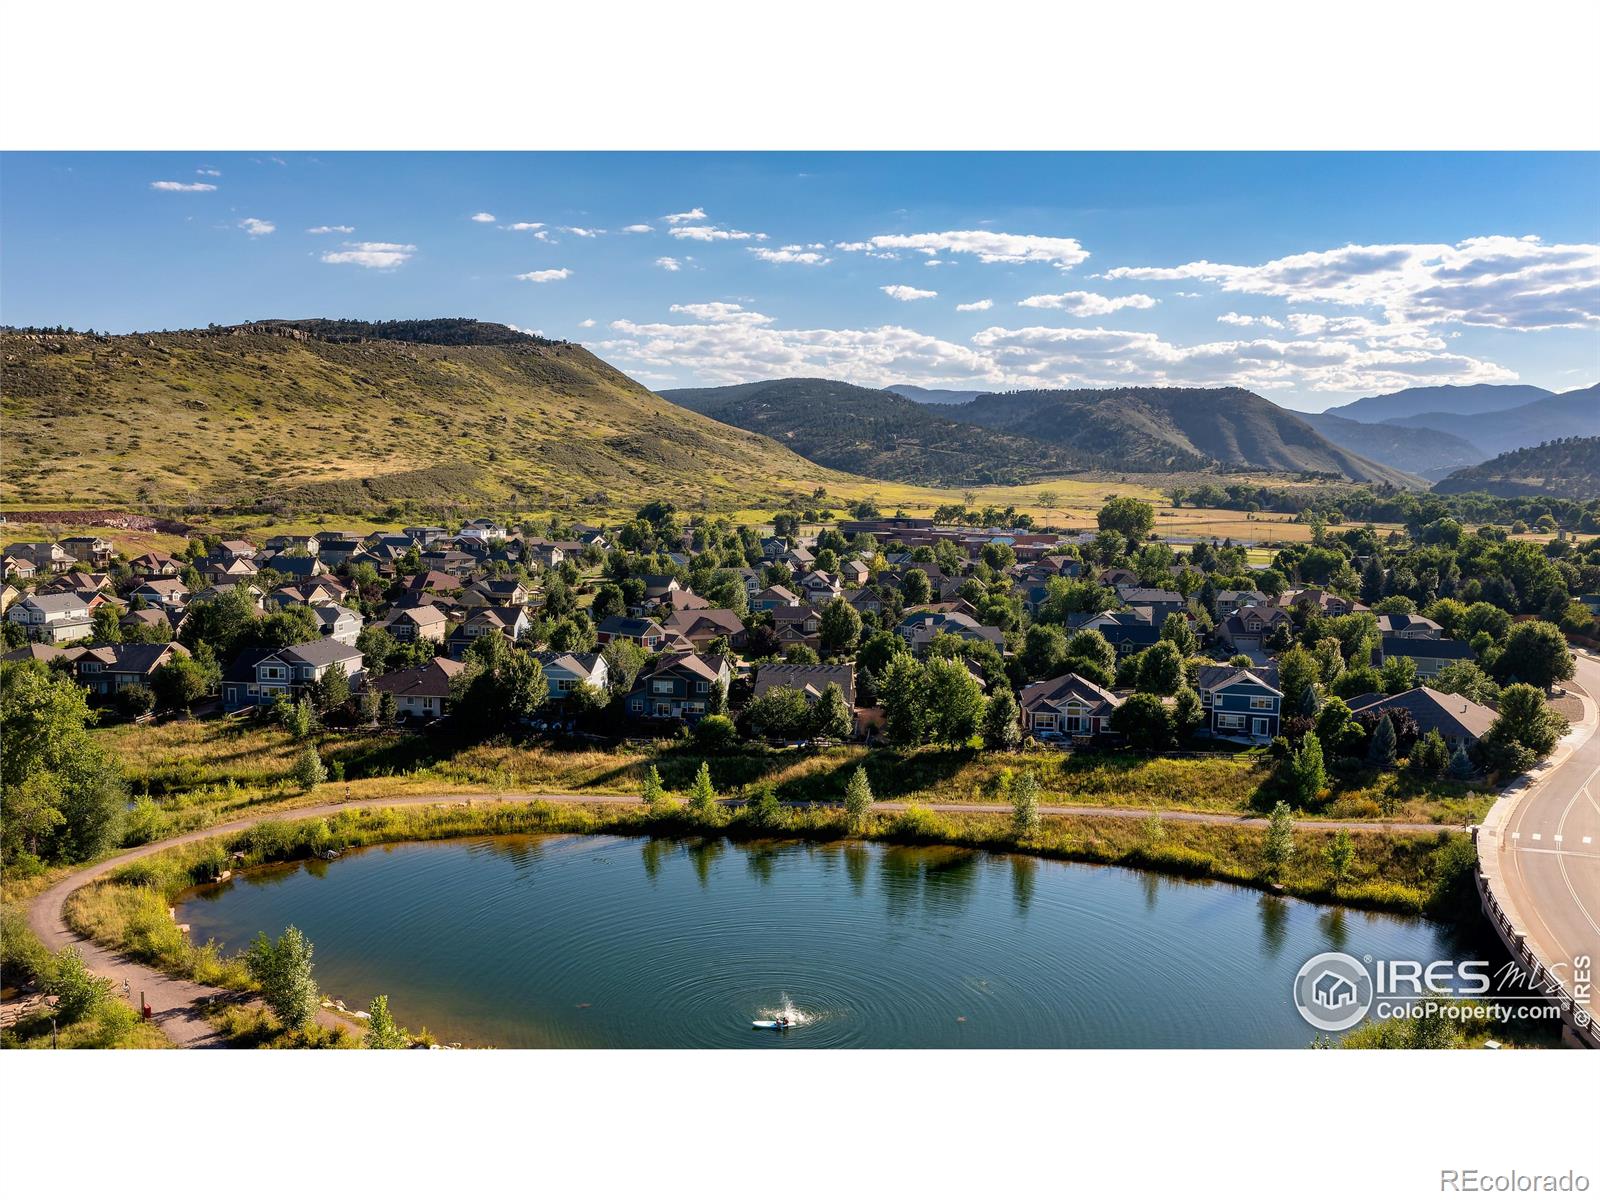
1538 837
1587 840
1516 837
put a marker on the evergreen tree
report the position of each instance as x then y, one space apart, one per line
703 799
830 716
1430 756
1461 763
1382 750
651 792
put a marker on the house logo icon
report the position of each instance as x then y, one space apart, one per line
1333 991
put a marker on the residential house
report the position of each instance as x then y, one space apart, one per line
46 556
854 573
776 596
809 679
296 566
699 627
108 669
321 590
260 675
1160 601
292 543
921 627
96 551
1408 625
433 581
819 588
76 581
510 622
422 623
1431 655
420 693
483 529
1243 631
1117 577
564 670
1460 721
222 572
642 631
864 600
1323 603
1240 704
141 621
211 594
63 617
233 548
495 593
1129 630
18 568
797 625
678 687
1067 708
155 565
338 622
425 535
336 550
169 595
1230 600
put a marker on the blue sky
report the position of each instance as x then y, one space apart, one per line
1312 278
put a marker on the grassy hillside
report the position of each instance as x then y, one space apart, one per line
1569 467
1427 452
273 415
1173 429
877 433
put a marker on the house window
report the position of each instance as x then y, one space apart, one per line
700 686
637 706
1263 703
564 685
1044 721
1230 721
1205 697
661 687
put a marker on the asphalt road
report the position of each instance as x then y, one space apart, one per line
1550 853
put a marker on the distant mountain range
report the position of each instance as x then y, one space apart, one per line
1432 455
1020 436
1569 467
924 395
1433 431
1174 429
878 432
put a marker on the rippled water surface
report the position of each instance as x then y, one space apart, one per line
627 942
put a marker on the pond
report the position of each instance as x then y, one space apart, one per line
585 941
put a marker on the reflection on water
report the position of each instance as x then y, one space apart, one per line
604 941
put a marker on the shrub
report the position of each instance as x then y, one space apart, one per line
715 734
857 800
308 769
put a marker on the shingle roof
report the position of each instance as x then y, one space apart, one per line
1455 717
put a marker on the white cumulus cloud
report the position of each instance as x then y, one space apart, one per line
637 229
483 218
694 214
900 291
172 185
1518 283
976 306
667 263
1087 304
987 245
582 231
810 256
256 227
719 311
714 233
373 255
332 229
551 275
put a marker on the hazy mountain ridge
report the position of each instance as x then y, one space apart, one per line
878 433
